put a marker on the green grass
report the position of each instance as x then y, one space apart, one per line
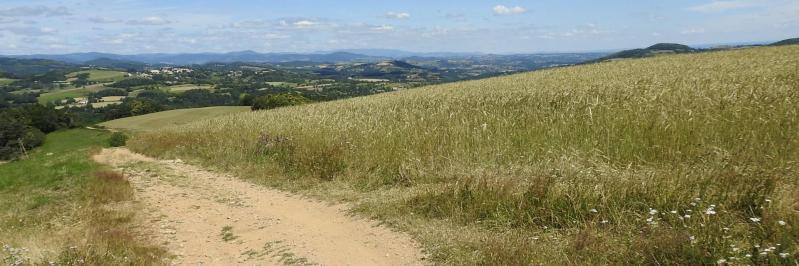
55 207
58 95
6 81
665 160
186 87
98 75
160 120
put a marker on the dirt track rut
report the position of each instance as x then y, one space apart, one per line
206 218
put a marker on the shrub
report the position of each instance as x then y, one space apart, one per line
117 139
277 100
14 130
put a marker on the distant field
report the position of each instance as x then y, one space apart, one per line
186 87
68 93
281 84
101 75
104 104
6 81
672 160
171 118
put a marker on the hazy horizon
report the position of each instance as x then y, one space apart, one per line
495 27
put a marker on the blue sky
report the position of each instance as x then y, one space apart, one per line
502 26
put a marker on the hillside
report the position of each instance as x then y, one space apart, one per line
786 42
660 48
30 67
160 120
681 159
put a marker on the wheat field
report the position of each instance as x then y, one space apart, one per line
680 159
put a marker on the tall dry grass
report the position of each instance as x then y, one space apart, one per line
684 159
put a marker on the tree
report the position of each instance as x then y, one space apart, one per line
82 79
143 106
14 134
277 100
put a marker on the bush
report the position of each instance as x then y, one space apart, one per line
277 100
117 139
12 131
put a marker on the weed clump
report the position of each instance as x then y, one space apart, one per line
117 139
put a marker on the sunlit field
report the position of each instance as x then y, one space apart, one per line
157 121
682 159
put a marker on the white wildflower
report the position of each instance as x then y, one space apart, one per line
754 219
784 255
783 223
687 216
721 261
673 212
593 210
653 211
710 211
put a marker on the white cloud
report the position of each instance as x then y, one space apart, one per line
4 20
397 15
721 5
30 11
383 28
501 10
304 24
28 31
149 21
275 36
693 31
104 20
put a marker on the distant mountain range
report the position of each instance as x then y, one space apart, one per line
202 58
18 65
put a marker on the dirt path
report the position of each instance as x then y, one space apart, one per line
206 218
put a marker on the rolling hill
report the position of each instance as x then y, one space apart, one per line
657 49
786 42
29 67
677 159
161 120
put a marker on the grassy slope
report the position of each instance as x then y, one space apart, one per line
171 118
655 161
101 75
44 98
54 208
186 87
6 81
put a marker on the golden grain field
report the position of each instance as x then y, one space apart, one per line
682 159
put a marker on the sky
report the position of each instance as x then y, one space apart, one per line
487 26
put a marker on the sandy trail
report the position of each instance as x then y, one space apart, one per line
206 218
